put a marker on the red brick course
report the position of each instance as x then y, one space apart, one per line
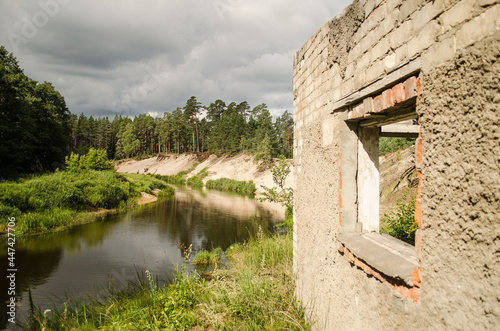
377 104
398 93
386 100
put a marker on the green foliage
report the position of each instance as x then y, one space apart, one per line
38 130
180 178
263 153
50 201
227 129
255 293
197 180
175 179
287 223
34 122
401 223
392 144
185 172
281 194
226 184
128 144
284 129
96 159
205 258
73 163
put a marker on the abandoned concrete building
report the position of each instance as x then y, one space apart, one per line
378 63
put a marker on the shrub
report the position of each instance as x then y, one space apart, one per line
50 201
401 223
194 181
281 194
73 163
197 181
205 258
226 184
96 159
392 144
176 180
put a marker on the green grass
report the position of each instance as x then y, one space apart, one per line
206 258
392 144
185 172
176 180
256 292
180 178
226 184
400 223
197 180
48 202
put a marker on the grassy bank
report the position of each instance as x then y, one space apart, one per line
48 202
254 293
226 184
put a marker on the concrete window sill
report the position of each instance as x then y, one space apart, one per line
388 255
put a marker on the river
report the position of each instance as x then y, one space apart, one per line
82 261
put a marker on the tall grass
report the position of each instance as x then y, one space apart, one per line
392 144
60 199
254 293
197 180
206 258
179 178
176 180
226 184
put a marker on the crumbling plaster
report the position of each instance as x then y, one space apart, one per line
457 43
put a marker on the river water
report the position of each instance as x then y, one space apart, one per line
84 260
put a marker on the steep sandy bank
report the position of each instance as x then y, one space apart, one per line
239 167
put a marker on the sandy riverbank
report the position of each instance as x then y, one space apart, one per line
239 167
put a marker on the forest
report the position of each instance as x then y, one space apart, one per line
37 130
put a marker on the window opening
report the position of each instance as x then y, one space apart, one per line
386 178
398 180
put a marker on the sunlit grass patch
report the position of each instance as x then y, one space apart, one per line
47 202
256 292
206 258
226 184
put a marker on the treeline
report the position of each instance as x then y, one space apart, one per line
34 121
219 128
37 130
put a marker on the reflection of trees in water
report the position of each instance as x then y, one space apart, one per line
204 219
33 269
208 220
38 257
71 240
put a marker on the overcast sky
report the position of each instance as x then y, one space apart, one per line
132 57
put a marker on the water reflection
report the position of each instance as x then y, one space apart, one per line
85 258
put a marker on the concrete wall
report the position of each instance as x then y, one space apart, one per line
456 45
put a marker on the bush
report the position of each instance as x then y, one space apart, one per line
96 159
197 181
176 180
205 258
392 144
401 223
281 194
49 201
226 184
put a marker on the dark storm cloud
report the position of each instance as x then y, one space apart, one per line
132 57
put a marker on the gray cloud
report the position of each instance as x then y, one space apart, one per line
131 57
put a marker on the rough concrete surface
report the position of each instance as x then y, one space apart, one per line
461 200
459 118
